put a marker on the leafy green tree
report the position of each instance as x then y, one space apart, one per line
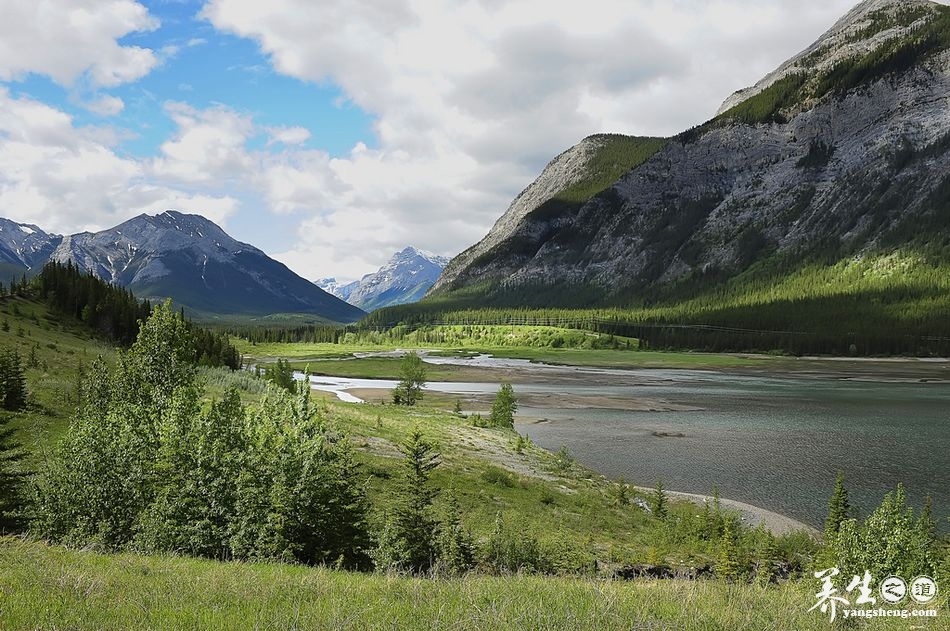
838 507
407 541
281 374
504 407
889 542
412 378
198 464
299 496
158 472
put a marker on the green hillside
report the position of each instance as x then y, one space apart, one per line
548 536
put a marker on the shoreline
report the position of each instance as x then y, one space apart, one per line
776 523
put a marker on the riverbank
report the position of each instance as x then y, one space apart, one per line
753 516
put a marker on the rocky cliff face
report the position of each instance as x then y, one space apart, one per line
845 148
404 279
193 261
25 247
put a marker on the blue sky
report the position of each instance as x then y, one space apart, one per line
332 134
204 67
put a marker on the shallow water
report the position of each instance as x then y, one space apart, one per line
774 442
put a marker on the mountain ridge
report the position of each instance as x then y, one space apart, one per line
842 155
192 260
404 279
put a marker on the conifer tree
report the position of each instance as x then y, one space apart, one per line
12 381
658 501
838 507
407 541
728 566
11 477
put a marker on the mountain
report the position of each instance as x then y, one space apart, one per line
341 291
193 261
24 248
841 154
404 279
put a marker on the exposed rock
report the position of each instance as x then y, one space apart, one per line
835 165
193 261
405 278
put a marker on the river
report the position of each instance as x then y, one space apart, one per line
767 440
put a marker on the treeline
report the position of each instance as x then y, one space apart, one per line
112 311
116 314
310 333
878 304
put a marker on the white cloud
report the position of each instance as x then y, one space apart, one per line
72 39
288 135
105 105
209 146
66 178
472 99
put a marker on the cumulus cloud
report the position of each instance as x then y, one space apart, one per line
66 178
105 105
72 39
471 100
288 135
209 145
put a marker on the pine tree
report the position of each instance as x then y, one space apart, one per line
11 477
728 566
12 381
504 407
838 507
407 542
455 547
658 501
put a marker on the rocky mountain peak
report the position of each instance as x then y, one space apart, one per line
25 245
861 30
404 278
845 148
571 177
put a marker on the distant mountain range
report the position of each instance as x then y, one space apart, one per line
404 279
180 256
842 152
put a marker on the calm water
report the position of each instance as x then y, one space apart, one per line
771 442
775 443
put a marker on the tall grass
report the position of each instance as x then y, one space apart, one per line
51 588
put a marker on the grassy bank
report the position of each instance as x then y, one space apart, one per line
51 588
52 352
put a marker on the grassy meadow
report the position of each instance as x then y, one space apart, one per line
44 587
583 526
